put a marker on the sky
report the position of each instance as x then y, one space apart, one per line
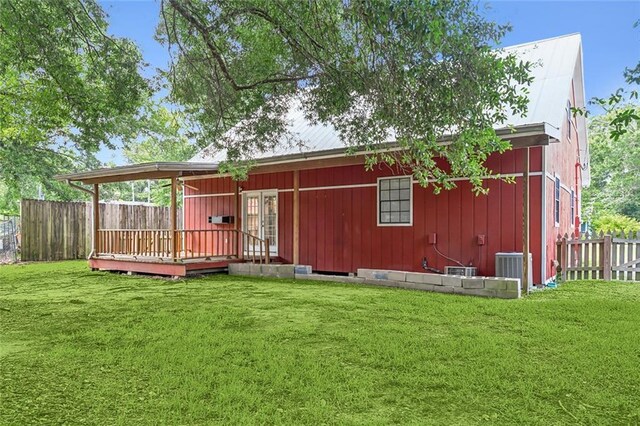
610 42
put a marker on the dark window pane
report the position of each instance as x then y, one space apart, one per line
395 200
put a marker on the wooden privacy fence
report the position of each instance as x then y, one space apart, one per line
61 230
610 256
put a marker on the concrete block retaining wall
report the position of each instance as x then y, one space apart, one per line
256 269
505 288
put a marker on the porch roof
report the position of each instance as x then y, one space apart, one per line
157 170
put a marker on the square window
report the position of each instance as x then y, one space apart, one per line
395 201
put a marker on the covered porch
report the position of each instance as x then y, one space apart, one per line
172 251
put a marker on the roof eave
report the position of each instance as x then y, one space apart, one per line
508 133
155 170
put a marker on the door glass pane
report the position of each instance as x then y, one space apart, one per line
270 219
252 221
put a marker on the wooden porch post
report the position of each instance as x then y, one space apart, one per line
95 241
238 221
525 224
174 220
296 217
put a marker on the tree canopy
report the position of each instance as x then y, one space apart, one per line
414 69
622 104
66 88
615 168
163 138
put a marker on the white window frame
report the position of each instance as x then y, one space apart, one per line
410 177
557 197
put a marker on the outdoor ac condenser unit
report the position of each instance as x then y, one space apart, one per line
509 265
465 271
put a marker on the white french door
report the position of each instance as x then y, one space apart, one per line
260 217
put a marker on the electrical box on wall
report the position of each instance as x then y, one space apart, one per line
433 238
482 240
217 220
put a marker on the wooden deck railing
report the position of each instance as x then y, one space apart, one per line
135 242
196 243
190 244
249 245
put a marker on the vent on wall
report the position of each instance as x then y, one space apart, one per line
465 271
509 265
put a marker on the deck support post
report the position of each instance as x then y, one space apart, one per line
95 240
174 219
525 224
296 217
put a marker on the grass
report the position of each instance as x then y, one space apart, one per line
81 347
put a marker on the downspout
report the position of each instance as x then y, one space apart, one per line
543 218
576 216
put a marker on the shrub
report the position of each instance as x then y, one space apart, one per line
616 223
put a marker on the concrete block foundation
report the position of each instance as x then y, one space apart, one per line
503 288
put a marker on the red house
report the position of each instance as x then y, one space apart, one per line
318 206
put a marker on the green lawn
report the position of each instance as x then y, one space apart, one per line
98 348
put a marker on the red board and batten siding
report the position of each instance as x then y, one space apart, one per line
338 226
561 159
215 197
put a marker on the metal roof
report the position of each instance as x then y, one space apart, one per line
555 61
157 170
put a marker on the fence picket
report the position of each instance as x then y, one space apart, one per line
579 275
630 250
637 256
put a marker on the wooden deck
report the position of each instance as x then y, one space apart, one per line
175 253
144 265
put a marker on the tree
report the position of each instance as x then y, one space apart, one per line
66 89
615 168
621 104
415 68
163 138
